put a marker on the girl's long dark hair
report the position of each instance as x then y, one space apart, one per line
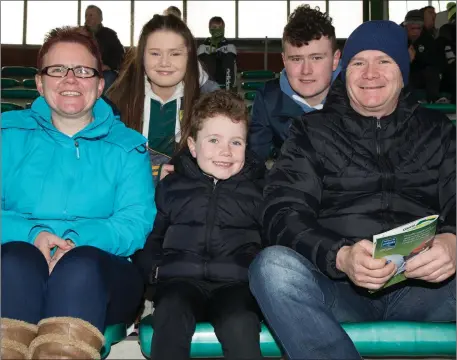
127 92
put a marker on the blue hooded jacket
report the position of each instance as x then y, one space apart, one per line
275 105
94 188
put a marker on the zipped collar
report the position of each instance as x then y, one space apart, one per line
105 125
185 164
100 126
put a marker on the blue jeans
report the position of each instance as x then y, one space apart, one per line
86 283
304 307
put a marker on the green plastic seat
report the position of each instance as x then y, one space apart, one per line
377 339
249 95
7 106
30 94
29 83
444 108
9 83
252 85
113 335
258 74
19 71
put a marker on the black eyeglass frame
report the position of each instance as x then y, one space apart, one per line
44 71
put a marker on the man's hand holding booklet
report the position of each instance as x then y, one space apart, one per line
403 243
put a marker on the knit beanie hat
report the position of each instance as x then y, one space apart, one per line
381 35
414 17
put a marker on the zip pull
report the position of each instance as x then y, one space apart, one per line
77 149
378 123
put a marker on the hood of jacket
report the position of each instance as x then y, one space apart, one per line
105 125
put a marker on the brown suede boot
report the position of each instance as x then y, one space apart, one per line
16 338
66 338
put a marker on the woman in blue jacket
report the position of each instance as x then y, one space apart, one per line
77 201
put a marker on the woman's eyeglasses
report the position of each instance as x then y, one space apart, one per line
61 71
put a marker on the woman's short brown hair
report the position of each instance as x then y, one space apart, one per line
70 34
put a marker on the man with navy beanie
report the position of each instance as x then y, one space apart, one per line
380 35
369 161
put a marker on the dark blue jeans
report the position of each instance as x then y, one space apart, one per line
304 307
86 283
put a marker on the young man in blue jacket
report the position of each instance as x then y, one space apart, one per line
311 58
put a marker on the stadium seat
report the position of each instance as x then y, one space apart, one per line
9 83
374 339
444 108
258 74
249 95
29 83
113 334
20 94
7 106
252 85
18 71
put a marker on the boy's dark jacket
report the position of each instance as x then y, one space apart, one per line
204 230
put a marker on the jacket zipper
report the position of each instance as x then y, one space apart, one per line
210 217
378 141
77 149
384 203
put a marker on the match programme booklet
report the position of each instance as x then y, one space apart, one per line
157 159
403 243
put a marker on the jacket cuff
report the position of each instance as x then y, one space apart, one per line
326 259
71 235
36 230
446 229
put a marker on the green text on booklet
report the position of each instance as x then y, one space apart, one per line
403 243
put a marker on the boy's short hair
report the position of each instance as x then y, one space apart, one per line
219 102
306 24
216 20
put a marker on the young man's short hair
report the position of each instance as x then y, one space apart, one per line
306 24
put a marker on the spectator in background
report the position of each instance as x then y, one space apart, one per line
451 7
110 46
425 62
446 47
311 58
217 54
173 10
429 14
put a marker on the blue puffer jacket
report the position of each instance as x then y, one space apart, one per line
94 188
